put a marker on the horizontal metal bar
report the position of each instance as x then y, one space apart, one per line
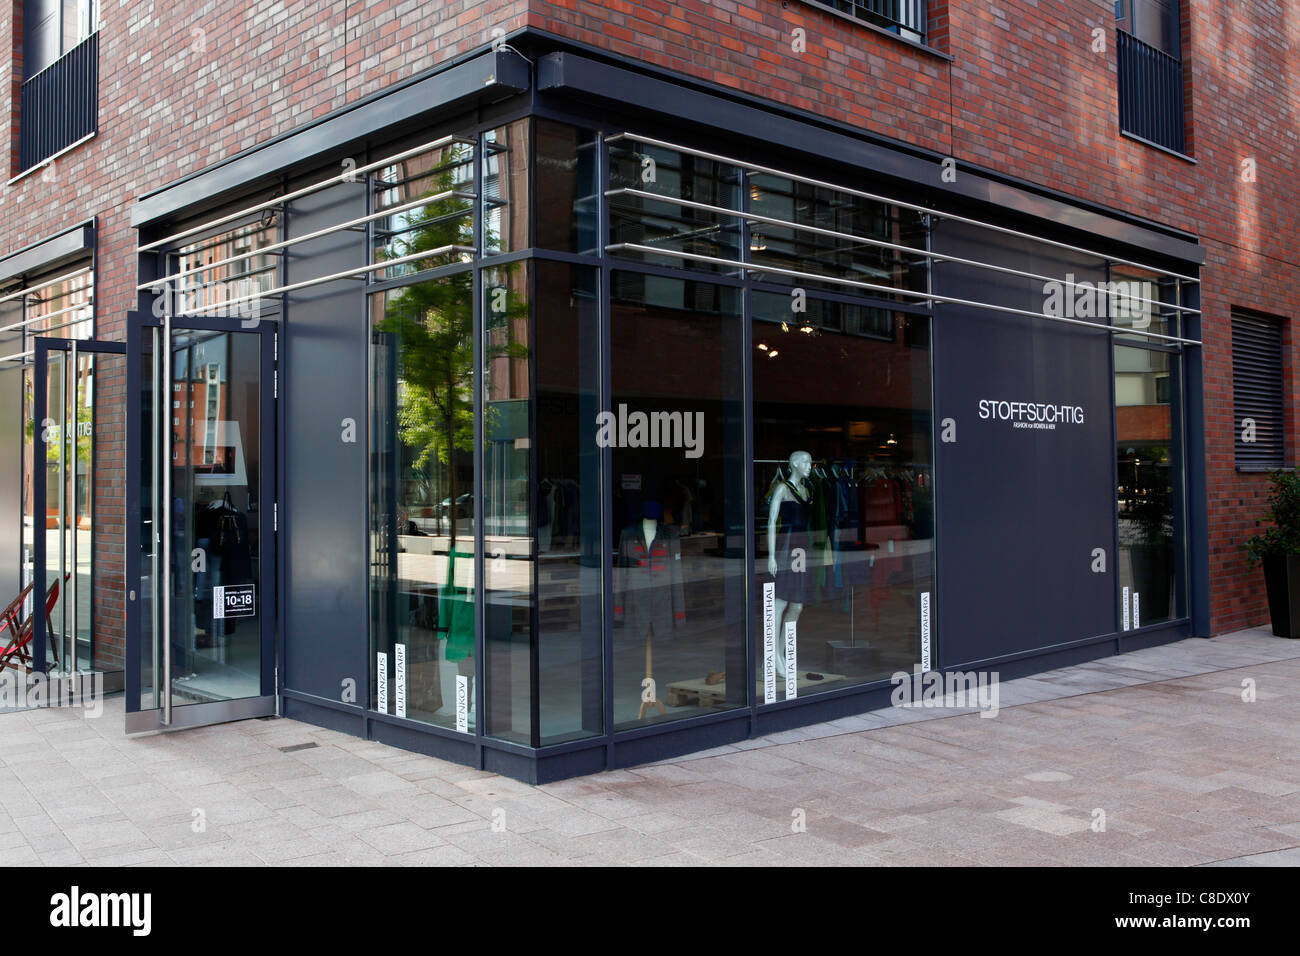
50 315
350 273
783 174
928 296
348 176
784 223
28 290
387 184
17 355
286 243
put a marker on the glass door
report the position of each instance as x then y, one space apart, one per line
73 410
201 523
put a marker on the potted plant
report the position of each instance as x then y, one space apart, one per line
1277 547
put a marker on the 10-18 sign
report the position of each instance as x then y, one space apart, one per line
234 600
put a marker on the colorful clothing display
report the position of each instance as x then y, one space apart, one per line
648 582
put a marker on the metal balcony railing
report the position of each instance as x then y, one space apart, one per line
59 105
900 15
1150 93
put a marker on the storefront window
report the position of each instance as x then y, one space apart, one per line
829 240
843 479
423 516
640 220
567 508
1149 486
676 431
429 199
1143 301
505 188
567 207
206 278
508 540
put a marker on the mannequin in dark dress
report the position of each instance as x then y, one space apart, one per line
790 512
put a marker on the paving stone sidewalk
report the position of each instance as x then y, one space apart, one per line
1158 741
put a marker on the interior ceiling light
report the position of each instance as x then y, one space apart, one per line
773 354
785 326
762 346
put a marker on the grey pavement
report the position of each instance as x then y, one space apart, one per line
1150 758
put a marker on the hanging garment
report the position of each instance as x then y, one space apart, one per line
456 613
794 516
648 581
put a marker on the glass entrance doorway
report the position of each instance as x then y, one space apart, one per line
201 523
74 418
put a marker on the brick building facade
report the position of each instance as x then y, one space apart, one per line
1015 95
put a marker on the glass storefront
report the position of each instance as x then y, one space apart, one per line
844 491
652 437
675 430
728 475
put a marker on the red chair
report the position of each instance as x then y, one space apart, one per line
15 654
9 616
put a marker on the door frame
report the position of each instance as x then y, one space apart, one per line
163 717
40 411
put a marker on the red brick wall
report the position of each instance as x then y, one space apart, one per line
1024 94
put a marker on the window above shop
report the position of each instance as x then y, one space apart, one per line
58 101
1148 41
906 18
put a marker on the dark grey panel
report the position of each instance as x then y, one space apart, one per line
49 253
323 512
1020 509
485 78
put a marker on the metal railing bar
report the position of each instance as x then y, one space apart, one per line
346 176
873 287
782 223
287 243
768 171
347 274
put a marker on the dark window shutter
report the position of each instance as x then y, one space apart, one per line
1257 391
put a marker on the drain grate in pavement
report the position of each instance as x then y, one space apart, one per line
296 747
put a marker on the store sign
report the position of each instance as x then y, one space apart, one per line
1033 415
462 703
234 600
381 676
769 642
399 667
925 630
791 662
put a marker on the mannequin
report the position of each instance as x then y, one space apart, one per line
649 594
791 510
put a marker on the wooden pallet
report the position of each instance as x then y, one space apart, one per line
683 692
